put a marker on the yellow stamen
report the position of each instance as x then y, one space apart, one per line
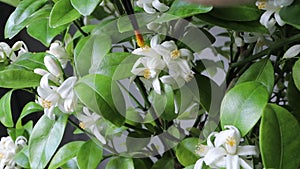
231 141
199 149
46 104
81 125
147 73
175 54
261 4
1 155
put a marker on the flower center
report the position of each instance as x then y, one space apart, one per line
199 149
81 125
175 54
46 104
1 155
231 141
148 73
261 4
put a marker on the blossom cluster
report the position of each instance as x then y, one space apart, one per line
225 151
164 58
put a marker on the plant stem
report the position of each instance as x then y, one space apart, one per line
80 30
267 51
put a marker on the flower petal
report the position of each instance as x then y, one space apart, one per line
292 52
156 85
159 6
278 19
214 155
245 164
232 162
247 150
199 164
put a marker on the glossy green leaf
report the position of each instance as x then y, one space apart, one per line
11 2
29 61
243 105
89 155
5 110
185 151
26 11
62 13
120 163
182 9
21 158
289 14
165 163
16 78
140 164
45 139
293 96
262 72
135 146
248 26
91 54
30 107
85 7
41 31
103 96
169 112
237 13
296 74
279 138
117 61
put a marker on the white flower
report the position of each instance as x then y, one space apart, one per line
260 40
88 121
226 151
272 7
56 49
150 6
177 61
55 71
9 53
62 97
150 65
8 149
292 52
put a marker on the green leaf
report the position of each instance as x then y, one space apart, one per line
17 79
140 164
293 96
289 14
5 111
62 13
120 61
21 158
120 163
45 139
29 61
296 74
169 112
165 163
91 54
102 95
26 11
85 7
185 151
183 9
279 138
237 13
65 153
262 72
41 31
243 105
11 2
89 155
30 107
248 26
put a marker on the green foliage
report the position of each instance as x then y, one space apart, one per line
45 139
278 138
86 155
289 14
296 74
17 79
120 163
85 8
243 106
5 111
185 151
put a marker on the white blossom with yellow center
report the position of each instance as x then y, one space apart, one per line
271 16
226 152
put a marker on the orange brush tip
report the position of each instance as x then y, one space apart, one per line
139 39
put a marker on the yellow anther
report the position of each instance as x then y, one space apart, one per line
261 4
231 141
46 104
175 54
81 125
147 73
1 155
